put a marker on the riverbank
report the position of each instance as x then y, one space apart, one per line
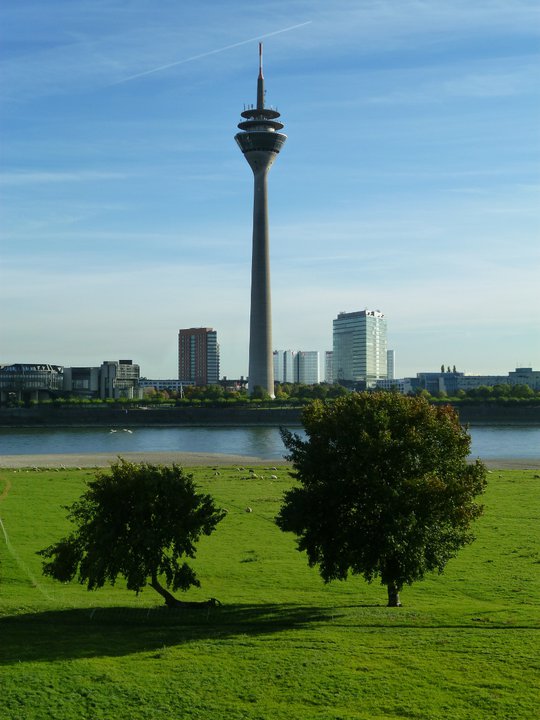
93 460
105 416
45 416
186 459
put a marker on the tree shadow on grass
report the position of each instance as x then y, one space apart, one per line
113 632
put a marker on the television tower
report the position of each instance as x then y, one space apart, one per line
260 141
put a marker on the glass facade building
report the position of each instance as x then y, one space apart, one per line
329 367
297 366
308 367
360 347
30 381
391 364
285 366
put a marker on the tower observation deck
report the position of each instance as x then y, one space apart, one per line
260 141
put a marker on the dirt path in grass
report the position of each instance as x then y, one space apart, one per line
15 555
6 490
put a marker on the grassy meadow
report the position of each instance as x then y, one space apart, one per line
283 645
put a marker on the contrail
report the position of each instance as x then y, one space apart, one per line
210 52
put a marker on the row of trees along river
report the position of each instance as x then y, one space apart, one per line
199 405
288 394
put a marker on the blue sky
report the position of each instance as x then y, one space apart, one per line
409 182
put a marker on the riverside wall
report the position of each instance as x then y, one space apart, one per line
495 414
133 417
77 416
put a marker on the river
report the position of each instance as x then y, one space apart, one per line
488 442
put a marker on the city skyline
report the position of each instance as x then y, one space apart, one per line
410 181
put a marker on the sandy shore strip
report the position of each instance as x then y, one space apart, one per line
513 463
92 460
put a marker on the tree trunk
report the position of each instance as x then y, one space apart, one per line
170 600
393 595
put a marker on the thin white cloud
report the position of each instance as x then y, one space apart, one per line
208 53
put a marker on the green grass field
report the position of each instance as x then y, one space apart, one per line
283 645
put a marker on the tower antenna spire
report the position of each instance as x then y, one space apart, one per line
260 80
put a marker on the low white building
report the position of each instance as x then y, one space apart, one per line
172 385
404 385
525 376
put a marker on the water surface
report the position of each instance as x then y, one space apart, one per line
489 442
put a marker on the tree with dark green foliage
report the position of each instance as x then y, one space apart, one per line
259 393
385 489
137 521
522 391
336 390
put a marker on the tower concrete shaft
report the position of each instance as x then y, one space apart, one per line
260 141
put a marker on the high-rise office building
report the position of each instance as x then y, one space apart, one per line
284 366
198 356
277 360
329 367
359 354
297 366
390 364
308 370
260 141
